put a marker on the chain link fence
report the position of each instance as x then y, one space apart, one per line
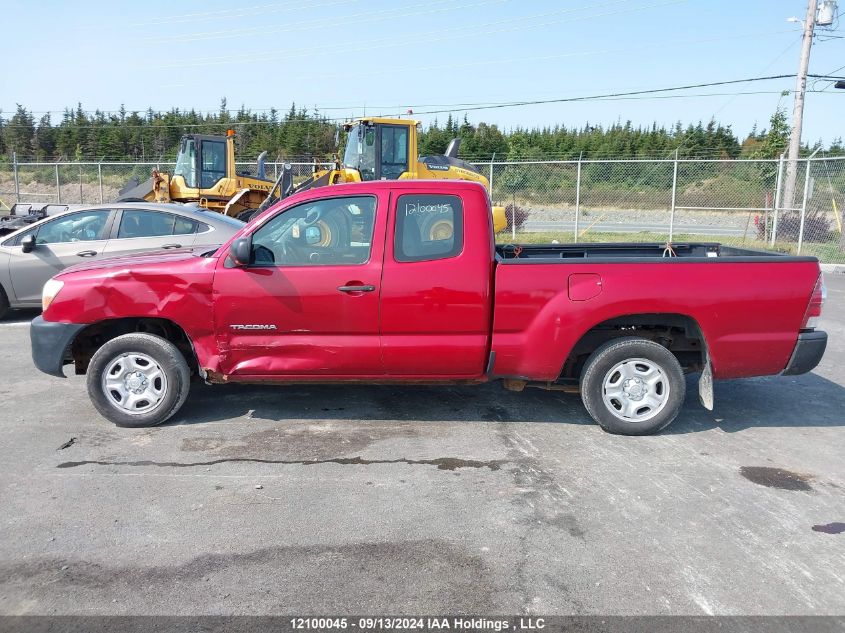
735 202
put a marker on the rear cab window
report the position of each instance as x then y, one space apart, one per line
428 227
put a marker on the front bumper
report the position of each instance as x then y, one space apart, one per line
50 342
807 353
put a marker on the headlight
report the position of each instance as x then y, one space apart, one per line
51 289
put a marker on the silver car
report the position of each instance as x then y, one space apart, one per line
30 256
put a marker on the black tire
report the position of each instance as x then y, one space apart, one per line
169 359
669 390
132 200
246 215
4 303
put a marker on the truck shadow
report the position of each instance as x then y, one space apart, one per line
777 401
800 401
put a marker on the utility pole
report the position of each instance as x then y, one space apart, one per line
798 108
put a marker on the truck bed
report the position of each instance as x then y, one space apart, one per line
610 252
749 315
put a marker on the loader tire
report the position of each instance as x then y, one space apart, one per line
247 214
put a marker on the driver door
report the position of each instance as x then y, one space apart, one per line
61 242
308 303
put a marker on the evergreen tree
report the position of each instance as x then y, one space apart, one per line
20 133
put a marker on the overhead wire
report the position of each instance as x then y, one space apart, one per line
239 12
364 17
509 26
488 106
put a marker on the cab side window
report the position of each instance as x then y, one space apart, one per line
74 227
213 163
428 227
332 231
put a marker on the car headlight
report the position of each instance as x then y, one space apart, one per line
51 289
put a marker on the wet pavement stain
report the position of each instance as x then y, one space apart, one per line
408 573
830 528
776 478
442 463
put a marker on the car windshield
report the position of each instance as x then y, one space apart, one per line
186 163
360 151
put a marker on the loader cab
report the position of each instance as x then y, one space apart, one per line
203 161
381 149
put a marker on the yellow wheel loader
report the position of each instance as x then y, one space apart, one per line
376 149
385 149
205 173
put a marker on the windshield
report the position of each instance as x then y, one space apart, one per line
186 164
360 151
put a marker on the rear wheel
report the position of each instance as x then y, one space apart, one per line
633 386
138 380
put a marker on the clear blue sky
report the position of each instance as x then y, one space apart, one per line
345 55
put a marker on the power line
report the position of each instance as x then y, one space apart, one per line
508 26
394 107
452 108
365 17
514 104
348 107
239 12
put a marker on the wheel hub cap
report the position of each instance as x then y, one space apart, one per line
635 390
134 383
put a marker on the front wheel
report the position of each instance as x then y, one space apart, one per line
633 386
138 380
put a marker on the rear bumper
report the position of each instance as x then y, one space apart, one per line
50 342
807 353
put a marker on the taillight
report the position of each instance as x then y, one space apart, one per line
814 308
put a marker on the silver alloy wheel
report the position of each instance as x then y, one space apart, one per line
134 383
635 390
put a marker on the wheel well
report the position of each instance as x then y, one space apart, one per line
93 337
678 333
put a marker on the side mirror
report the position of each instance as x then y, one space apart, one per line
28 244
240 251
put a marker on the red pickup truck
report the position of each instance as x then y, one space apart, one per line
401 282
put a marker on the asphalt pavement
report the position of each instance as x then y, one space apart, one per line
279 500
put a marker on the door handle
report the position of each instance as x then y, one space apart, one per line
86 253
356 288
168 246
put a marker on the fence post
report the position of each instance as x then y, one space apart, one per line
492 158
804 201
674 192
578 195
777 198
17 183
58 186
100 178
81 197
